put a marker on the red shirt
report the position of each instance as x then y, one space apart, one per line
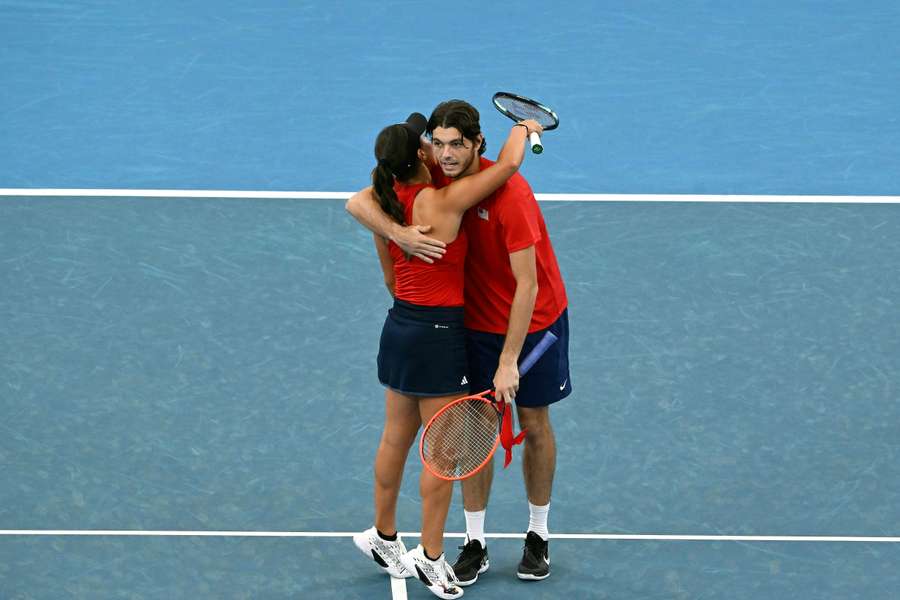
416 281
507 221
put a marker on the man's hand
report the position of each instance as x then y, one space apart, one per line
413 241
532 126
506 382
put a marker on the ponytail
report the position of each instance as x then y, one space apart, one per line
396 149
383 186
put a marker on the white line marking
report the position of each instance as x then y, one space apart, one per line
124 193
398 589
248 194
752 199
556 536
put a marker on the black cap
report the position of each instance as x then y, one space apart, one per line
415 125
416 122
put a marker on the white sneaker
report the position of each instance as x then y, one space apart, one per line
385 554
437 575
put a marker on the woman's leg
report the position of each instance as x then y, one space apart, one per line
436 492
401 424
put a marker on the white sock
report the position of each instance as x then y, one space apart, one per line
475 526
537 520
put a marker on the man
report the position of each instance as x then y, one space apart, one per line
514 293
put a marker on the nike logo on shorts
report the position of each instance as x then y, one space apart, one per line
563 386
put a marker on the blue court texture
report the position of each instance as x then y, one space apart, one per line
207 365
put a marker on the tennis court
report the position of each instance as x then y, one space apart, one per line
187 380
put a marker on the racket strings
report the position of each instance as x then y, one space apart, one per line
526 110
461 439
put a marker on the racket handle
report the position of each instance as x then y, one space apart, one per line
536 352
536 147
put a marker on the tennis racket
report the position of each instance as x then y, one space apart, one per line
519 108
462 437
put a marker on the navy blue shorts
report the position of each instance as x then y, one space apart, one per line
423 350
548 380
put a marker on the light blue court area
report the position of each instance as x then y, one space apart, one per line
204 366
698 96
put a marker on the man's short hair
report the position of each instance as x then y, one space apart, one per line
459 114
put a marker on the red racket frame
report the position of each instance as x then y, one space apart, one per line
485 397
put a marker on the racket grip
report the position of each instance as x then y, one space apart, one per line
536 146
536 352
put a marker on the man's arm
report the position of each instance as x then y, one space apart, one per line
524 268
365 209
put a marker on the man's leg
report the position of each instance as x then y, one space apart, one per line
477 488
539 453
473 560
483 352
538 466
476 493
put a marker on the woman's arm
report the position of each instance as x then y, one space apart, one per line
387 263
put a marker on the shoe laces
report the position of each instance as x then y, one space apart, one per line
470 551
452 579
446 578
535 546
394 549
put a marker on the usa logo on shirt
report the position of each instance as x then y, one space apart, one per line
483 213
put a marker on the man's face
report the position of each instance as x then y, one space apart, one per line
454 153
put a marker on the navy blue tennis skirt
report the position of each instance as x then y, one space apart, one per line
423 350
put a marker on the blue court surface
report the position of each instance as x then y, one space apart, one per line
187 385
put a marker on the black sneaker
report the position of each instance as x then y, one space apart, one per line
471 562
535 564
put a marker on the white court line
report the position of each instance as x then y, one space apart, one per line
556 536
398 589
398 586
136 193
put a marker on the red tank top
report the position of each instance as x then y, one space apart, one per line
416 281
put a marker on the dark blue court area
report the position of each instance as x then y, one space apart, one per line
201 372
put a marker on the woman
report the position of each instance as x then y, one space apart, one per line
422 355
